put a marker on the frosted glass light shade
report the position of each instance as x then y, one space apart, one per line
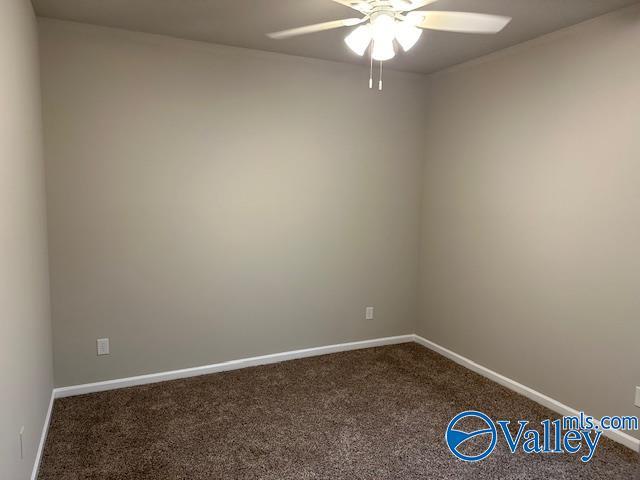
407 35
383 31
383 50
359 39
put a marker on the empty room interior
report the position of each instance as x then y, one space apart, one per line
319 239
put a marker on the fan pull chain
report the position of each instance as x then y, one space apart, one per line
380 81
371 67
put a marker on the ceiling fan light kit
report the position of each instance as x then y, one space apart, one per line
386 22
382 30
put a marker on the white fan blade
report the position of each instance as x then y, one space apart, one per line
318 27
403 5
360 5
459 21
414 4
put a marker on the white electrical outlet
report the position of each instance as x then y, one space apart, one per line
103 346
368 313
637 396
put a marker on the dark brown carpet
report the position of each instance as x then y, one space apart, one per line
372 414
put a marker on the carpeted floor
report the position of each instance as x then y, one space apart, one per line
375 414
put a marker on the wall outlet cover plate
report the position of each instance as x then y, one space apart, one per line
102 346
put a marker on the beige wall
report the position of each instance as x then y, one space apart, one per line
209 203
531 219
26 376
198 213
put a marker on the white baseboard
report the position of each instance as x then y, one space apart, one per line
43 438
558 407
544 400
226 366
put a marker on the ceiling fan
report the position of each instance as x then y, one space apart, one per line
387 20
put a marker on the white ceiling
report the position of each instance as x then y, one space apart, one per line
244 23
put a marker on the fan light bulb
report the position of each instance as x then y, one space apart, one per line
359 39
383 50
407 35
383 28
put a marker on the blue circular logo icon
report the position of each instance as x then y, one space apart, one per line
456 438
